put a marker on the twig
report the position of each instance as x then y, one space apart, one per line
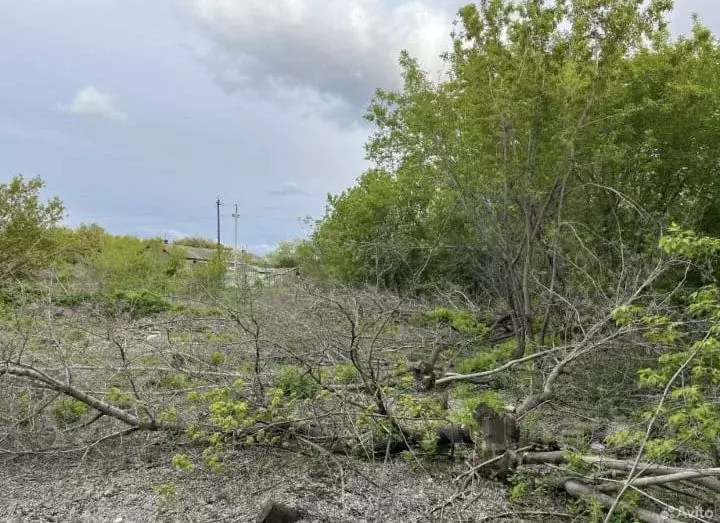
524 513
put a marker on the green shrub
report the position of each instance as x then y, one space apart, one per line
486 360
120 398
182 462
208 277
295 383
470 402
138 303
346 373
175 382
67 411
167 492
74 298
217 358
460 320
196 241
26 223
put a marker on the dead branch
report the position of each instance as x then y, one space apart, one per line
705 477
489 373
26 371
525 513
579 490
659 480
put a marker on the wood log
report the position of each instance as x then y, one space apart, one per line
557 457
579 490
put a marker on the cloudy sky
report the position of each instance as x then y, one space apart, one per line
138 113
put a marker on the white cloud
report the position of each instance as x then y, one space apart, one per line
288 189
89 101
337 52
260 249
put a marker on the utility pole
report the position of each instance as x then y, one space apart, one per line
235 253
217 204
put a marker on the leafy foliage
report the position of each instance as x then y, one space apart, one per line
25 227
486 359
67 411
460 320
196 241
689 368
138 303
551 114
295 383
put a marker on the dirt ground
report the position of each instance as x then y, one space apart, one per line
131 481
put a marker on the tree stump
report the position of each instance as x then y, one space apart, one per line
274 512
500 437
500 430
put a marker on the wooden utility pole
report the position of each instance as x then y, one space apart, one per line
235 252
217 203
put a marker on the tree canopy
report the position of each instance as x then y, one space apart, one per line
557 123
25 225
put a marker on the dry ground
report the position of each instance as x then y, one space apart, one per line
118 484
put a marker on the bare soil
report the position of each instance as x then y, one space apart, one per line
123 481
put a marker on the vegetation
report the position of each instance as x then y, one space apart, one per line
195 241
25 228
533 256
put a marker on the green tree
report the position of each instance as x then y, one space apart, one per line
76 244
564 135
196 241
25 225
129 263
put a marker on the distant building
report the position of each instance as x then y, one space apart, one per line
194 254
248 274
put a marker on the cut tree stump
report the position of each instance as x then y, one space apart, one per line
499 429
275 512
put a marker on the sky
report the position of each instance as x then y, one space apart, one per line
139 114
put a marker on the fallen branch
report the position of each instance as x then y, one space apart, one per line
21 370
579 490
488 373
657 480
524 513
706 477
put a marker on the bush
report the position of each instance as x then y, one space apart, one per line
487 359
175 382
460 320
127 262
138 303
122 399
217 358
346 373
26 223
74 298
67 411
196 241
295 383
208 277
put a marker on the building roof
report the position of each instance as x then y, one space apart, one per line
195 253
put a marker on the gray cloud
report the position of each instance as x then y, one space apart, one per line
327 55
